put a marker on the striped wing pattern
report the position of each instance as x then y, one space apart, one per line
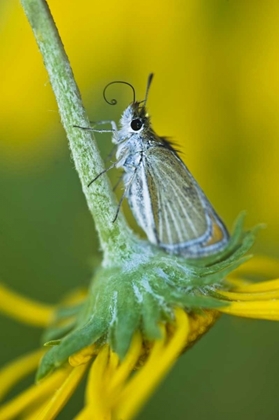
171 208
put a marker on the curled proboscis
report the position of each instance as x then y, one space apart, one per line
114 101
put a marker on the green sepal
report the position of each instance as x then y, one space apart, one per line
57 332
142 291
64 320
151 316
52 343
69 345
124 325
66 311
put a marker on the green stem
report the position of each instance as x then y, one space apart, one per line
116 238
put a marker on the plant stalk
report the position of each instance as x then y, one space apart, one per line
115 238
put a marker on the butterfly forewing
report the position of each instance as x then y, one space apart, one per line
178 210
171 208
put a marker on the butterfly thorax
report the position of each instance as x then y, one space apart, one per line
135 137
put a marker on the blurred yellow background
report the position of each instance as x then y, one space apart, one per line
215 93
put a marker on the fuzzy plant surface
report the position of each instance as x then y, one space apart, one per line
137 286
140 293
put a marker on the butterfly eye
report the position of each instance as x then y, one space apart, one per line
136 124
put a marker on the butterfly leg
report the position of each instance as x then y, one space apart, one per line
112 130
124 195
129 183
101 173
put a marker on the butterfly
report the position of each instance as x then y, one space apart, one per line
165 199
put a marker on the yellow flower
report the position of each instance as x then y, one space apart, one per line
143 307
117 389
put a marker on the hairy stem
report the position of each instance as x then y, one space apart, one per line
116 238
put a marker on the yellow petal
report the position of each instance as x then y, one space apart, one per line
34 412
112 366
24 310
238 296
128 363
83 356
75 296
263 286
36 392
162 357
63 393
259 309
96 390
112 376
18 369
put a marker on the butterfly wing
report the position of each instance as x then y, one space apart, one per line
172 209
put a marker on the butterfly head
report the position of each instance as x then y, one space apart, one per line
135 119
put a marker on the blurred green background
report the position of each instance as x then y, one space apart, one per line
216 93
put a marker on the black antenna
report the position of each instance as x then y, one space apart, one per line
149 80
114 101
